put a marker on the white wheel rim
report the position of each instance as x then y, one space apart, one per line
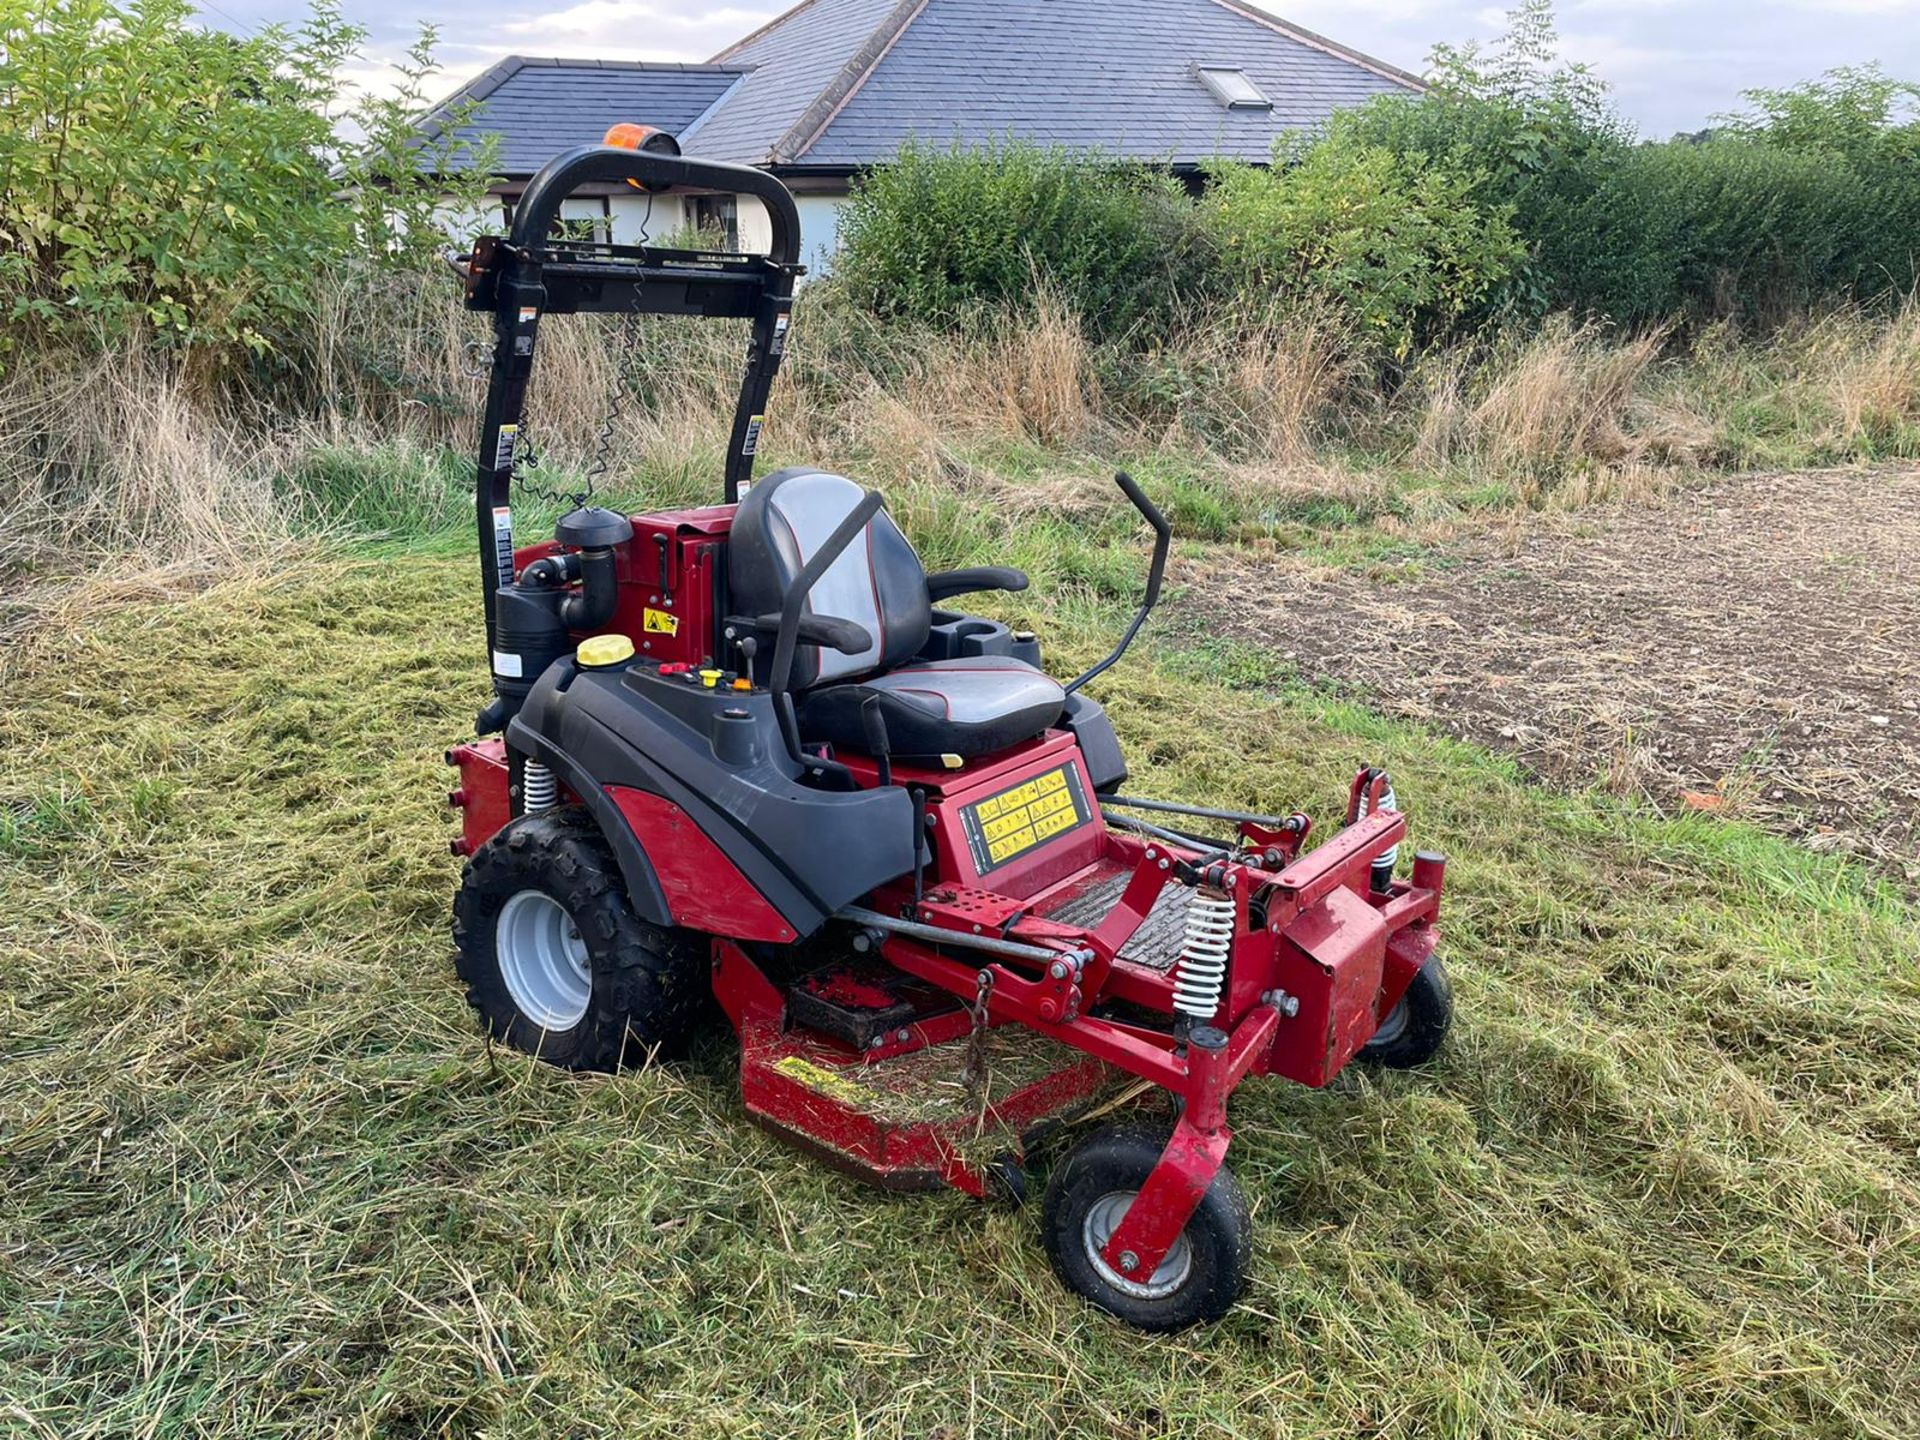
1103 1218
543 960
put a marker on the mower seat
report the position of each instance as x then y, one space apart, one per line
966 707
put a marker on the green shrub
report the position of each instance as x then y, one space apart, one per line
1537 138
1395 244
1718 227
1866 126
160 178
1813 193
937 233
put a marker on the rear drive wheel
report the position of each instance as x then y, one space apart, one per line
1415 1028
554 959
1201 1276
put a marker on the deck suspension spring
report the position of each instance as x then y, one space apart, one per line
1383 863
538 788
1202 972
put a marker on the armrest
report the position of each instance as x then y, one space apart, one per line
846 636
949 583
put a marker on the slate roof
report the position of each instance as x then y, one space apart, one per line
842 83
540 107
835 85
804 61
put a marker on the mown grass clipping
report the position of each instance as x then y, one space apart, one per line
259 1176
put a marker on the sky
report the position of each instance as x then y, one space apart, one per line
1672 64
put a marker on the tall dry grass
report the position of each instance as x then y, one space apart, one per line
1874 384
118 479
1562 413
119 459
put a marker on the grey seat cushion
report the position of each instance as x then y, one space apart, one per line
962 707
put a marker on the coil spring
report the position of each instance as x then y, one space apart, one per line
1390 857
1202 972
538 788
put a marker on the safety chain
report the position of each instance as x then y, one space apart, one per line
624 390
527 458
975 1074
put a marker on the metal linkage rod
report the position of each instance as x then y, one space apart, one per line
934 935
1208 849
1271 822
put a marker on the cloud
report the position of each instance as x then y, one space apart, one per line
652 31
1858 7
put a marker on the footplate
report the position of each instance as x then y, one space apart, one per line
1156 944
864 1005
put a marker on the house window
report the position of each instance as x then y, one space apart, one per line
582 217
716 215
1232 88
585 217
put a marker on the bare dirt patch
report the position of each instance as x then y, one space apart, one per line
1750 647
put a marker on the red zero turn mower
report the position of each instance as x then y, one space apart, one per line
748 752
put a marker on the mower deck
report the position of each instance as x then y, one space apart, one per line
912 1119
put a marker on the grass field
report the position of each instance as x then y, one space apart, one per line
260 1177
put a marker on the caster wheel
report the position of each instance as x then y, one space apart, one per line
1201 1276
555 961
1414 1029
1007 1179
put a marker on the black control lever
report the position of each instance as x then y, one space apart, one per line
1156 572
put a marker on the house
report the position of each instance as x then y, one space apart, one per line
832 87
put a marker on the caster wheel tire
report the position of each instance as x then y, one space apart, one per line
556 962
1201 1276
1414 1029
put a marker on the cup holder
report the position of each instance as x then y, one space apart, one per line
960 637
955 637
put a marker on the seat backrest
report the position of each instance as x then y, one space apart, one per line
877 581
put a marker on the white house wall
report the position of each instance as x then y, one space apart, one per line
463 223
637 218
819 230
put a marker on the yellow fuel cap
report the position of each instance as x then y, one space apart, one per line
600 651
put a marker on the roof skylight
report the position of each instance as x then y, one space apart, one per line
1232 87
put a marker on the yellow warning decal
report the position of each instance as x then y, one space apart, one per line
660 622
1013 822
826 1082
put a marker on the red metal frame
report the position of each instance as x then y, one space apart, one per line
481 797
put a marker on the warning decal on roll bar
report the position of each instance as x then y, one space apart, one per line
1005 826
503 543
